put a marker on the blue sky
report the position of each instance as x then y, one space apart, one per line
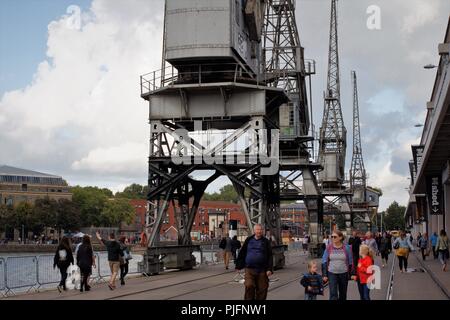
22 50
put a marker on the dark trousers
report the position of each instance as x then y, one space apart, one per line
123 271
435 252
385 255
364 291
63 271
338 286
256 285
402 262
424 250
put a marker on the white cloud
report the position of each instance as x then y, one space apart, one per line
83 112
419 14
118 160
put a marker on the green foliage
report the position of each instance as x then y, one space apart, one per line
91 201
135 191
226 193
117 211
394 217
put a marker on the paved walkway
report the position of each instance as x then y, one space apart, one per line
417 283
216 283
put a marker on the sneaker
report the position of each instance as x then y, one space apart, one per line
81 289
122 283
59 289
382 266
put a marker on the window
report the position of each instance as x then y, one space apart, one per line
9 202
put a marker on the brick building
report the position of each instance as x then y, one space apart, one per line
212 219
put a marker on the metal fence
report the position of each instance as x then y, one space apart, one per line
26 273
2 277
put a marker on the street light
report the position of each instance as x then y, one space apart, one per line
430 66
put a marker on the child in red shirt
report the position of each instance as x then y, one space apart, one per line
365 261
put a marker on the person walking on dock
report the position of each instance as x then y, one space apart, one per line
422 243
124 263
114 254
442 247
226 245
85 261
403 246
385 249
312 281
337 266
371 243
355 242
363 271
235 246
63 259
256 257
434 239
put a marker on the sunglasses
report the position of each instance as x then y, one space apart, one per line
334 237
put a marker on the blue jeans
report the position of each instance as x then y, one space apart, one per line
309 296
338 285
364 291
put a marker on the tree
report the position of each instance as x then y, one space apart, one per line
134 191
45 214
394 217
117 211
69 216
226 193
91 201
6 217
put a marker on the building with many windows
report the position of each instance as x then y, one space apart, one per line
20 185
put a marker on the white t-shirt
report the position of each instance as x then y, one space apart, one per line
326 242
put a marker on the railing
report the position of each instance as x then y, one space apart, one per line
210 73
26 273
2 277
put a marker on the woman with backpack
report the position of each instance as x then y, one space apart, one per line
442 247
337 266
63 259
124 263
403 246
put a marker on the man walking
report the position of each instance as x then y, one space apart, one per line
434 239
227 251
256 257
114 255
355 242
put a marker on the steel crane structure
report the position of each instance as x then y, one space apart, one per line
333 135
364 201
230 101
286 68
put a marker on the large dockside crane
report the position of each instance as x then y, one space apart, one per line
230 101
333 136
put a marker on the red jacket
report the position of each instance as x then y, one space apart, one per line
363 265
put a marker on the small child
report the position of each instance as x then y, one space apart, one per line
365 261
312 281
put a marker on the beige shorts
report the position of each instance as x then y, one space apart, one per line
114 266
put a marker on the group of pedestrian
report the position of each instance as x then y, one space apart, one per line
118 258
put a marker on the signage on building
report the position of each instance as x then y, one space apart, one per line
417 156
435 195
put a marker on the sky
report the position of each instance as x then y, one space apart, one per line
70 97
